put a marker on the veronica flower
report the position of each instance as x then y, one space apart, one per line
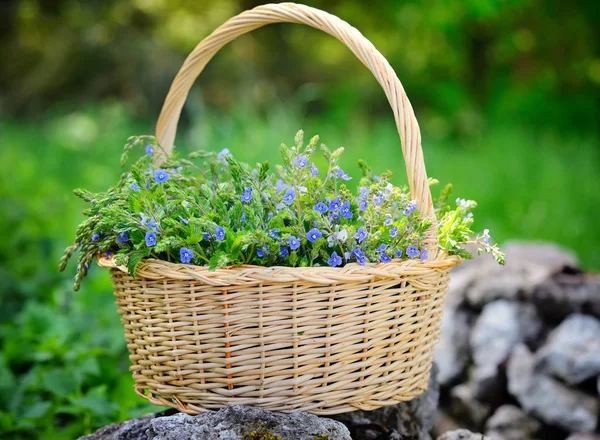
347 255
186 255
410 208
283 251
363 204
185 221
220 233
243 217
313 235
150 238
331 241
394 232
294 243
342 175
206 236
123 237
108 254
384 257
289 196
280 186
412 251
376 178
334 260
152 225
314 170
273 233
360 235
95 237
135 187
382 247
399 254
247 196
260 252
486 236
149 150
301 161
358 252
161 176
143 219
223 153
346 211
320 207
388 220
378 200
424 255
342 235
334 204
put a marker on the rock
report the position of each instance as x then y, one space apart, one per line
488 384
546 398
134 429
527 266
451 354
462 434
510 423
465 406
572 351
414 418
501 325
567 293
231 423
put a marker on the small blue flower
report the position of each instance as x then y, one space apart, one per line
294 243
412 251
152 225
224 152
273 233
148 185
280 186
220 233
301 161
378 200
385 258
363 204
394 231
358 252
346 211
206 236
313 235
376 178
143 218
149 150
320 207
150 238
247 196
360 235
410 208
108 254
185 221
289 196
269 216
135 187
342 175
260 252
314 170
186 255
399 254
388 220
334 260
243 217
424 255
382 247
123 237
334 204
486 236
95 237
283 251
161 176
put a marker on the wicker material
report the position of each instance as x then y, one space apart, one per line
323 340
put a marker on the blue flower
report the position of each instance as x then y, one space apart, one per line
360 235
301 161
363 204
224 152
148 185
289 196
260 252
399 254
143 218
247 196
342 175
412 251
376 178
334 204
152 225
220 233
273 233
149 150
314 170
320 207
283 251
243 217
424 255
185 221
123 237
280 186
206 236
486 236
358 252
294 243
334 260
150 238
313 235
95 237
410 208
385 258
346 211
107 254
161 176
394 231
388 220
381 248
186 255
378 200
135 187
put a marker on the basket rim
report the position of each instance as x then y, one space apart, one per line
155 269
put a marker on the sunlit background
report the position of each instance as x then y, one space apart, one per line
506 93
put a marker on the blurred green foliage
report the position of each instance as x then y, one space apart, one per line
506 92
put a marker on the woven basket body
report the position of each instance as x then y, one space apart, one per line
323 340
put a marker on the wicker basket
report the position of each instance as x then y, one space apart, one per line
323 340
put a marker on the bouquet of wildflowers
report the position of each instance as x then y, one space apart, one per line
220 212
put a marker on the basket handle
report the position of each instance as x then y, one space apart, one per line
406 122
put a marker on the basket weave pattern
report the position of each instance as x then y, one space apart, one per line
318 339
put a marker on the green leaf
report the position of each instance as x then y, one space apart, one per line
134 259
59 382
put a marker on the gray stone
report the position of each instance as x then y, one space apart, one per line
231 423
465 406
501 325
414 418
462 434
572 351
451 354
488 384
511 423
548 399
528 265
